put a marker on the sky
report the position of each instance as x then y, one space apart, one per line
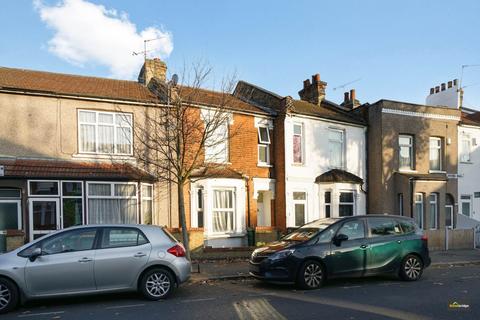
391 49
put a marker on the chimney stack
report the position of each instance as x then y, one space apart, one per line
153 68
313 92
447 94
350 100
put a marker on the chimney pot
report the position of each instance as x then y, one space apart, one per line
432 90
346 97
306 83
443 86
316 78
352 95
455 81
450 84
437 89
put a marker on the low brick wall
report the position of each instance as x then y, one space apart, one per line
14 239
457 239
265 235
195 237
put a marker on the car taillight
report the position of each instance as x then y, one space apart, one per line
424 237
177 250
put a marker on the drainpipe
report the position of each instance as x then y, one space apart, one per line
248 198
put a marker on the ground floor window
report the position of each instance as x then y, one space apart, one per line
112 202
72 203
449 203
346 204
10 212
223 213
300 207
198 208
418 209
328 204
433 213
147 203
466 204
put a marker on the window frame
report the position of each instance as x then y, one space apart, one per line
450 207
263 144
44 195
328 204
115 127
465 155
410 147
143 198
196 207
469 201
439 149
112 196
19 210
340 203
342 149
302 143
422 202
215 158
401 211
233 210
433 204
305 206
82 197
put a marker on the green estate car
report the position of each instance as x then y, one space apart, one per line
350 246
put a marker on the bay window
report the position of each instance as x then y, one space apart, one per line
105 132
112 202
223 213
147 203
346 204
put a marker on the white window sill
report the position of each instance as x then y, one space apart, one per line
97 156
466 162
437 171
264 165
298 164
407 171
217 163
225 235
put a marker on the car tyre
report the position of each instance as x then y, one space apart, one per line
157 284
411 268
311 275
9 295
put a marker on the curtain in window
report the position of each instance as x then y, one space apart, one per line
99 189
216 145
223 219
105 139
123 140
87 138
335 154
297 149
101 211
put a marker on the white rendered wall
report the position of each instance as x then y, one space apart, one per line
316 162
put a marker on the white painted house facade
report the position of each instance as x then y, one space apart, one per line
317 147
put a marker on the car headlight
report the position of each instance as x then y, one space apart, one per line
281 254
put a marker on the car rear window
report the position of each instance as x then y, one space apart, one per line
407 226
169 235
122 237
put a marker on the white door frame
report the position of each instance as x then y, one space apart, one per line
30 215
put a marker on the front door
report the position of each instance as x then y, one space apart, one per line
44 216
350 255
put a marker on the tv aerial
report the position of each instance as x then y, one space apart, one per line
346 84
144 52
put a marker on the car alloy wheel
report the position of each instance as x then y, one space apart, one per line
157 284
412 268
5 296
311 275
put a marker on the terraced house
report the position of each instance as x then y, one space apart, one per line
320 153
69 156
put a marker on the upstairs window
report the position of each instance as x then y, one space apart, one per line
465 148
435 154
105 132
216 144
336 148
263 146
406 152
298 143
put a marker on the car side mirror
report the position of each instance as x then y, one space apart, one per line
339 238
37 252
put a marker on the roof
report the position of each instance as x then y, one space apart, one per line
470 119
216 172
325 110
216 98
424 176
74 85
32 169
338 176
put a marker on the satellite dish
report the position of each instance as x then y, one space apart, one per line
174 80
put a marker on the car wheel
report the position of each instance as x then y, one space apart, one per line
411 268
8 295
311 275
157 284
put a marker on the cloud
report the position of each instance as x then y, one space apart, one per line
86 33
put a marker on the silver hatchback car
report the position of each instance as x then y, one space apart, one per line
94 259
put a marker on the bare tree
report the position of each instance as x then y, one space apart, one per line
172 140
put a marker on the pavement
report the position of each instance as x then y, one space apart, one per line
230 269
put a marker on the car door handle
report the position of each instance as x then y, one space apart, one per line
139 254
399 241
364 246
85 259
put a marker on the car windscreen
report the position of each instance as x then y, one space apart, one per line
309 230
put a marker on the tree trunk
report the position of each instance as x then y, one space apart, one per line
183 222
